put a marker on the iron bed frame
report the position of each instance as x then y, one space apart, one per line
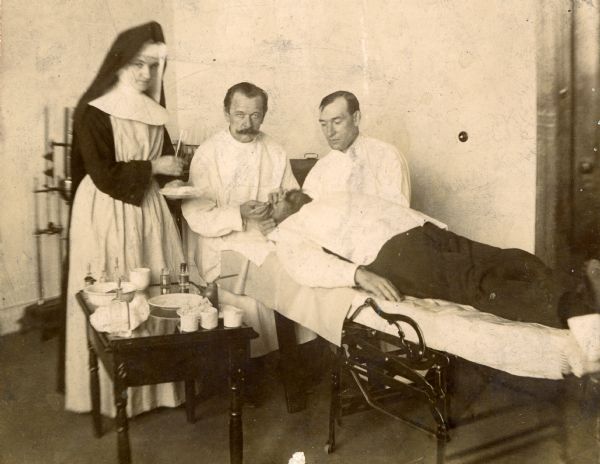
377 378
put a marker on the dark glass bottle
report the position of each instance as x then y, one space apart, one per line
165 281
212 293
89 278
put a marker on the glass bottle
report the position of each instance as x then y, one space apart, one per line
89 278
120 318
117 277
184 278
165 281
103 277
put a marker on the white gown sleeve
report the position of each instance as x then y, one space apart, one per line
309 265
202 214
394 178
312 183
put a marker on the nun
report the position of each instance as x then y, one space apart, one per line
119 149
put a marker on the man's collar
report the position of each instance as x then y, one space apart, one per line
354 144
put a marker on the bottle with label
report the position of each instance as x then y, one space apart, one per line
165 281
184 278
89 278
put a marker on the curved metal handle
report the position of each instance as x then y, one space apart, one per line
394 319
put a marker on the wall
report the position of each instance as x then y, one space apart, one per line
423 71
50 52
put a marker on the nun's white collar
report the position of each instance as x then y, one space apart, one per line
125 102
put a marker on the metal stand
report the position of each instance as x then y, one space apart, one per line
379 379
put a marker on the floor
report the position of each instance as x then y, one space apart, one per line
34 428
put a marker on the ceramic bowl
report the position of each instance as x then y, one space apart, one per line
102 293
167 305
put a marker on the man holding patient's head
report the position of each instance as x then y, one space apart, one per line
356 163
236 172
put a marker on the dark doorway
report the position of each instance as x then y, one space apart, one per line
568 147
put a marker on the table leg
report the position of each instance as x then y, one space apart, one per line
120 392
190 400
95 391
237 358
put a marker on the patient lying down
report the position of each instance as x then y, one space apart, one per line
391 250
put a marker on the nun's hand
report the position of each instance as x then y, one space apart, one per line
168 166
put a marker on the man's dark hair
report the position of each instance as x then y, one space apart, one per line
351 100
296 198
249 90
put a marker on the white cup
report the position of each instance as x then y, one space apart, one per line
188 321
232 316
140 277
209 319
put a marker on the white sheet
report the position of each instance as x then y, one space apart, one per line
523 349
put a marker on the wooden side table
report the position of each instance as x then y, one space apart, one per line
153 359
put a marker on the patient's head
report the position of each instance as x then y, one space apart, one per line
289 204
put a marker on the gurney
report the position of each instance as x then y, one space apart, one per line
421 337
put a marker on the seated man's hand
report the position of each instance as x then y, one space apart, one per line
175 184
253 209
276 195
377 285
264 226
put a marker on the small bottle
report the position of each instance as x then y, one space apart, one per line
89 278
165 281
120 318
184 278
117 277
103 277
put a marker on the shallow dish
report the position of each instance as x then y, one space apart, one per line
167 305
102 293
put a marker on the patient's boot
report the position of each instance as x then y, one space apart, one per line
586 331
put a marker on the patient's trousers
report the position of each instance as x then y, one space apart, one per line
429 262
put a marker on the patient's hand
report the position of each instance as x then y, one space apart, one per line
253 209
377 285
264 226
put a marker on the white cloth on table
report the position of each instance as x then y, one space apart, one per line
103 321
103 229
227 173
353 226
368 166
